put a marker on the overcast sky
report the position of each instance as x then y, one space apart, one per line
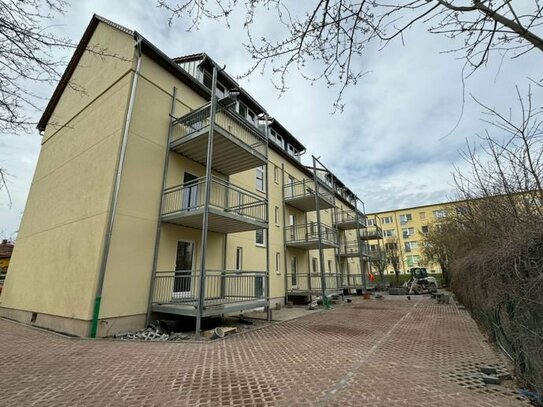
391 145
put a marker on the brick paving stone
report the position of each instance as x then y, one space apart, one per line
375 353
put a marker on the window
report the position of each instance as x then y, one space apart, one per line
315 264
424 229
239 258
260 237
330 266
412 260
389 233
405 218
386 219
373 247
278 263
440 214
290 187
242 109
276 174
410 246
370 222
276 138
260 178
422 215
251 117
279 141
391 246
292 151
276 215
462 210
406 232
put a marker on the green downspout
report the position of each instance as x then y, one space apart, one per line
115 197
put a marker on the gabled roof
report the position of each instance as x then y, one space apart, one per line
147 48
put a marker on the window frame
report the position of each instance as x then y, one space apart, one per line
260 170
263 244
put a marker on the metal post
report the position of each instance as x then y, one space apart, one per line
321 254
205 220
336 249
267 231
359 241
284 231
159 220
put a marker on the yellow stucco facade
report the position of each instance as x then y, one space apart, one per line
94 207
406 228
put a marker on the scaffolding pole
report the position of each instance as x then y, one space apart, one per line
359 241
321 254
207 195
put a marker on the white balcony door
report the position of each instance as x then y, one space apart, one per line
184 265
290 188
294 272
292 222
190 192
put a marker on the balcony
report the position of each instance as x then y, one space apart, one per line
176 292
301 195
311 283
306 236
371 233
237 144
231 209
346 220
352 281
351 249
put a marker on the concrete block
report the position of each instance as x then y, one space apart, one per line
490 379
488 370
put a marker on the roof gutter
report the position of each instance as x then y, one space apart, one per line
115 197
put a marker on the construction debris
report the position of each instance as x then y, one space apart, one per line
152 333
220 332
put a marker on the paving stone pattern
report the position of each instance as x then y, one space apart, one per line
371 353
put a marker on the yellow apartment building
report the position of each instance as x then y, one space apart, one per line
403 233
165 188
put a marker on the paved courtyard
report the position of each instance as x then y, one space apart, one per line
368 353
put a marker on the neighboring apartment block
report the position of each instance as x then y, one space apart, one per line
152 196
403 232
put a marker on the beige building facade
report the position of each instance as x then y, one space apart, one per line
402 235
151 196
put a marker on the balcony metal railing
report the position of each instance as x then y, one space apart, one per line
343 217
183 199
226 120
351 280
371 233
351 248
311 282
306 188
221 287
309 232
